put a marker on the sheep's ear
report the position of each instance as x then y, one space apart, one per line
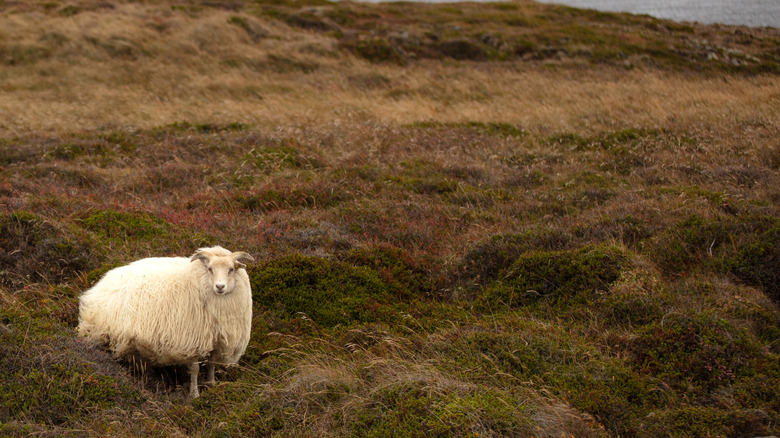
200 255
240 255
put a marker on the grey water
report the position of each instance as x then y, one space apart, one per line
755 13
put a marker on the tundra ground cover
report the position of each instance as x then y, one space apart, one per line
455 237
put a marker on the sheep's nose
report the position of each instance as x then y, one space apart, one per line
220 287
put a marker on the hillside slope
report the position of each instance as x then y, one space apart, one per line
500 219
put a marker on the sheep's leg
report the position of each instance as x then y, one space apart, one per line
210 381
194 370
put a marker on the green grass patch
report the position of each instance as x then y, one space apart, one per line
284 155
407 276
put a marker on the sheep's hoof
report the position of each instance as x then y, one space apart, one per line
210 383
194 393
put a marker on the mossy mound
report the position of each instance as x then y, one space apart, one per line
483 263
696 353
746 246
51 378
36 249
288 198
709 421
284 154
405 275
329 293
558 276
410 409
120 225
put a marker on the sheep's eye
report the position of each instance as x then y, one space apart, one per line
231 270
211 271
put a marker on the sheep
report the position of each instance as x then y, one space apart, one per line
173 311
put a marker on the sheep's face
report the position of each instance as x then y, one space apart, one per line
222 275
221 268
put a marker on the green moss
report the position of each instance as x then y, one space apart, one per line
329 293
708 421
38 249
376 50
499 129
433 184
70 10
483 263
746 246
17 54
303 19
203 128
756 260
405 275
254 31
410 409
627 229
126 142
558 276
114 224
569 139
609 140
55 395
15 429
285 154
287 64
760 391
695 354
315 196
51 378
616 396
463 50
630 309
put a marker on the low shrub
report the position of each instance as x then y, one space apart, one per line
746 246
329 293
483 263
121 225
52 378
377 50
558 276
708 421
412 409
405 275
463 50
695 354
37 249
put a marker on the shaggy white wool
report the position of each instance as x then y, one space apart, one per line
173 310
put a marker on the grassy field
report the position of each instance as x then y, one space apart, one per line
497 219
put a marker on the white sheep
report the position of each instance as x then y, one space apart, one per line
173 311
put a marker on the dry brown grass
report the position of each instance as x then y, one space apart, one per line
420 185
144 65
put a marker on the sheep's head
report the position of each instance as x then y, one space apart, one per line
221 266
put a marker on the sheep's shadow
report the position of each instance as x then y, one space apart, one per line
171 381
